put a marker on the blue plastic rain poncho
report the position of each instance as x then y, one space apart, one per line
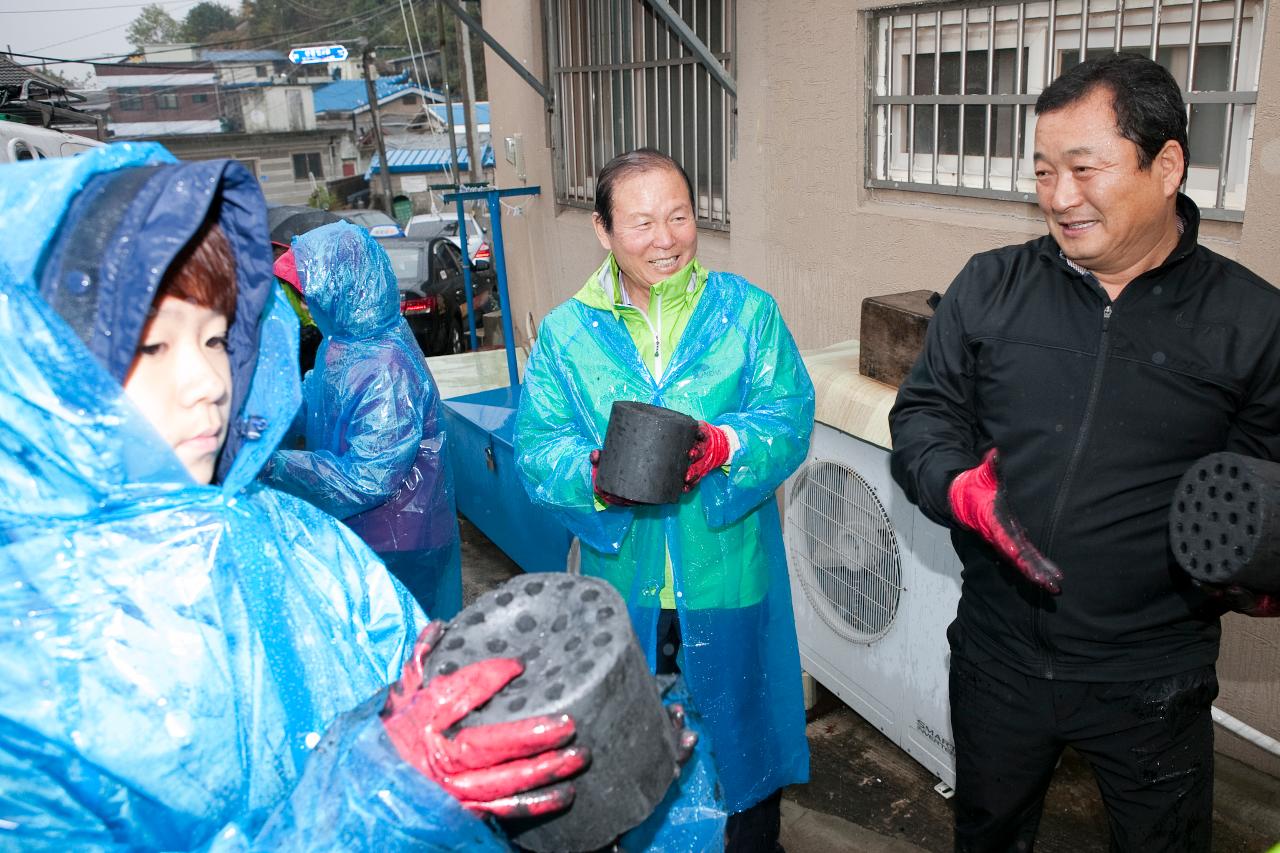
735 365
376 450
181 666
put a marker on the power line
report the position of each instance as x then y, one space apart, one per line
107 30
273 39
87 8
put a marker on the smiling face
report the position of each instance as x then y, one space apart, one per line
181 381
654 233
1107 214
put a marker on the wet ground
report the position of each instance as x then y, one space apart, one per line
867 795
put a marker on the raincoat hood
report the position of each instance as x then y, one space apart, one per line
347 280
181 666
95 235
376 451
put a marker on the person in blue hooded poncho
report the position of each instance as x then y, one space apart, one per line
376 452
191 659
705 578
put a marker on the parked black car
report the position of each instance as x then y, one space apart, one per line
432 294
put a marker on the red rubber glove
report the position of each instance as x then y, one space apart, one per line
709 452
1241 600
978 502
605 496
686 739
502 769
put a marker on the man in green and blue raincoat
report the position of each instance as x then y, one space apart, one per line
705 578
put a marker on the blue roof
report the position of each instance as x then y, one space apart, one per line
349 95
416 160
242 55
481 112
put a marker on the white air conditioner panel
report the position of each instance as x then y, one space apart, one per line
874 586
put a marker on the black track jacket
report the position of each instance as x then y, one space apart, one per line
1097 409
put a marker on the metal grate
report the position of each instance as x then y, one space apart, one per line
955 84
623 80
842 549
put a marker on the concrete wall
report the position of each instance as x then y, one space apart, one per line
276 109
807 229
270 155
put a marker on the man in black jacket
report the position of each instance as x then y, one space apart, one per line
1099 362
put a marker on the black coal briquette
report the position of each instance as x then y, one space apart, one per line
581 658
646 453
1223 525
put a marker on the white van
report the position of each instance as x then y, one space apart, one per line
30 142
424 226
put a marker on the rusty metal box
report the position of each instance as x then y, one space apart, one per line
893 329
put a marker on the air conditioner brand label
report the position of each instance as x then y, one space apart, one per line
947 746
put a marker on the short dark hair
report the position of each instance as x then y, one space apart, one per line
203 273
626 165
1144 96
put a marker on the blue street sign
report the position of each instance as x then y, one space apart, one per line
319 53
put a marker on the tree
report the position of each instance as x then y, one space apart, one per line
152 26
378 21
64 79
206 19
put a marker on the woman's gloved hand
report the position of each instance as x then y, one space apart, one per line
1241 600
507 770
978 502
709 452
605 496
686 739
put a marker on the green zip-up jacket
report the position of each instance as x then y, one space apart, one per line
655 332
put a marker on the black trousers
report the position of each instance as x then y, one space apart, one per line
1150 744
756 828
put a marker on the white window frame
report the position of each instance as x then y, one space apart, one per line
894 160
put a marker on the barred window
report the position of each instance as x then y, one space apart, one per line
623 79
955 86
130 98
166 101
307 166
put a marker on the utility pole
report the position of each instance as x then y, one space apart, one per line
469 99
448 94
385 170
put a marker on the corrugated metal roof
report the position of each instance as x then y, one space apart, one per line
13 75
165 128
417 160
349 95
481 113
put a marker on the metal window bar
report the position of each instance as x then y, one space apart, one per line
888 88
1084 28
964 90
624 80
1230 111
1015 148
911 108
1177 25
937 79
991 71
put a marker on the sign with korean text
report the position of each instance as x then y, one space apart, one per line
318 53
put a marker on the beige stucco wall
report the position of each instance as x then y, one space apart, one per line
807 229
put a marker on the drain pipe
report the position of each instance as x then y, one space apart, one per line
1246 731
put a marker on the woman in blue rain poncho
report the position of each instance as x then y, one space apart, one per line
191 659
376 452
705 578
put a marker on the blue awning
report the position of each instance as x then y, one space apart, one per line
419 160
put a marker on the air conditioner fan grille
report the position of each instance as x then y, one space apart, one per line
843 550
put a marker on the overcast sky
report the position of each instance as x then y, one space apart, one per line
74 29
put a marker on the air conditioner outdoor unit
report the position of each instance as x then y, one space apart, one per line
874 583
